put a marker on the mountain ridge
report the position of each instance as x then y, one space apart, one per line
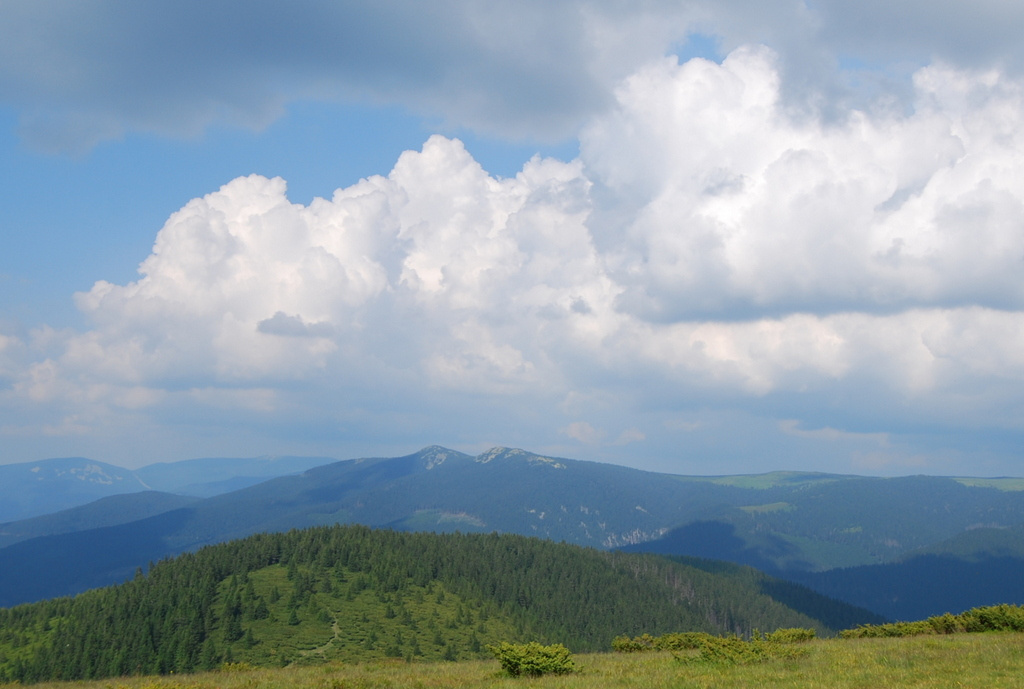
32 489
37 488
787 523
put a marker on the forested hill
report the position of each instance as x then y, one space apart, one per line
349 592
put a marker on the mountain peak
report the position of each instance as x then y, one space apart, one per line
498 452
70 469
436 455
515 453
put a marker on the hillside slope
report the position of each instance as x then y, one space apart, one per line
354 593
109 511
977 568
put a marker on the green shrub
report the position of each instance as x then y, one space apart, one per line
623 644
892 629
681 641
533 659
947 624
993 618
732 650
793 635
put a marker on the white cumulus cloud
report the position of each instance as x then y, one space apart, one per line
738 205
710 246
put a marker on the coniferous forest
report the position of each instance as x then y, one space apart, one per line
350 593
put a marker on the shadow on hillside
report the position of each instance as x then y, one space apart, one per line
923 586
66 564
716 540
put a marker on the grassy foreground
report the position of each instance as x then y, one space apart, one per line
985 661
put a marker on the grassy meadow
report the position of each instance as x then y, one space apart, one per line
984 661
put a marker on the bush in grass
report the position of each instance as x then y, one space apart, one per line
728 650
679 641
683 641
993 618
533 659
947 624
794 635
891 629
732 650
623 644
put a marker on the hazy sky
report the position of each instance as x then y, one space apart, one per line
715 236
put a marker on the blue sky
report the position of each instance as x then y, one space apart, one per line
316 147
697 237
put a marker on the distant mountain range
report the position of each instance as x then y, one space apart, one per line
36 488
857 539
31 489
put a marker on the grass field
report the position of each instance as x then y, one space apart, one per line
981 661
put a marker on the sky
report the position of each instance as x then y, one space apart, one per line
697 237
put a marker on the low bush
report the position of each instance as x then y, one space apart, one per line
624 644
992 618
533 659
732 650
891 629
678 641
682 641
794 635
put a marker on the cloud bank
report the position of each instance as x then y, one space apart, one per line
98 69
94 70
714 256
